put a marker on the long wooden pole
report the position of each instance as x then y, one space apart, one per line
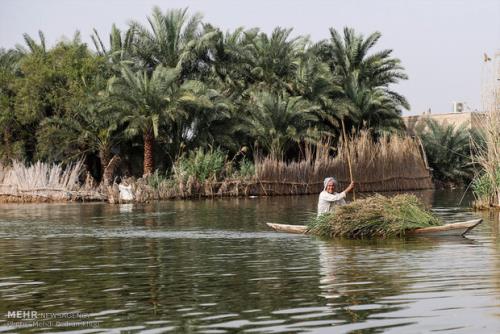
348 158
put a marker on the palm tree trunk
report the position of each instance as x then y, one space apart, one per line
149 163
107 176
105 157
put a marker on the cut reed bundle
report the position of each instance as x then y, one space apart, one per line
374 217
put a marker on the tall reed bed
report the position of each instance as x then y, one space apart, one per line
486 184
53 181
389 164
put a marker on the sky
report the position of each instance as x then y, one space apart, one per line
441 43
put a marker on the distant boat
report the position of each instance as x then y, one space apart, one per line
454 229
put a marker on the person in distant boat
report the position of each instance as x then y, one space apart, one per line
329 199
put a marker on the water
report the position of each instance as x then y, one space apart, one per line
213 267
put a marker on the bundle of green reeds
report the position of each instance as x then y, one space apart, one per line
374 217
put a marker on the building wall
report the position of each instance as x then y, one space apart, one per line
471 119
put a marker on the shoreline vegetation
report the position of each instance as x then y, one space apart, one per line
178 108
379 166
448 151
486 183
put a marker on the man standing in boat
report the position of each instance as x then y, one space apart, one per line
328 198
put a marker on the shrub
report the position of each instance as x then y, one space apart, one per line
247 169
156 179
485 187
200 165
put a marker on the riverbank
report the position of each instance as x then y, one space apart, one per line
389 164
54 196
142 192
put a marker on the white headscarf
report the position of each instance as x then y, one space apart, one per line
327 180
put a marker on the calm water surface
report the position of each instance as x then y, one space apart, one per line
213 267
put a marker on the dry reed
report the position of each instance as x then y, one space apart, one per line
390 164
486 184
43 182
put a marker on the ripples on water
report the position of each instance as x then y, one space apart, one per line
213 267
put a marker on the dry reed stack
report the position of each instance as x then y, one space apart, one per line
392 163
43 182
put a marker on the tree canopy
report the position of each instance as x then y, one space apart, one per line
151 91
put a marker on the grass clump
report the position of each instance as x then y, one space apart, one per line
486 188
199 164
247 169
156 179
374 217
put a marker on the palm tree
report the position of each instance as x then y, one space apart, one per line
208 122
230 65
273 59
154 102
146 101
372 108
365 79
448 151
173 39
275 121
245 60
314 82
120 47
32 46
92 129
9 60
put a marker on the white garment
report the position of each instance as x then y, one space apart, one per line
328 201
126 192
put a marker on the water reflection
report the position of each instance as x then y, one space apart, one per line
354 290
363 282
212 266
493 217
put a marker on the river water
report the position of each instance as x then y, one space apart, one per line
212 266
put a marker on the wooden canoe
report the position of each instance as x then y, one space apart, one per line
457 229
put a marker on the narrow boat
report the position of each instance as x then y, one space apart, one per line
454 229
